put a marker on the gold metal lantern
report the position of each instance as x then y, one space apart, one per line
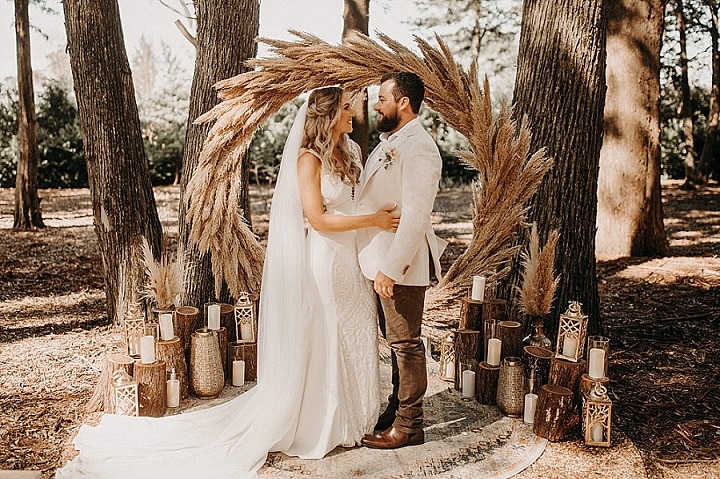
125 390
597 417
571 333
447 357
244 312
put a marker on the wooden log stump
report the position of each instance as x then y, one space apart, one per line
566 373
555 413
102 398
186 320
537 366
467 343
470 314
227 321
510 333
152 388
486 380
172 353
247 352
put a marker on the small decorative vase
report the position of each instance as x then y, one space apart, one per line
206 371
511 385
538 338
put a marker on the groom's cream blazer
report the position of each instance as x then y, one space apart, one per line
403 169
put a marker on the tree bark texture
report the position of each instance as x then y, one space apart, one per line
356 19
686 115
560 89
629 219
226 32
122 196
27 202
710 157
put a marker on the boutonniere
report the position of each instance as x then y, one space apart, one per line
389 157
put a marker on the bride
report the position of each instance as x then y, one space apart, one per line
318 384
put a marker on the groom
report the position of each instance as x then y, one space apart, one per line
404 169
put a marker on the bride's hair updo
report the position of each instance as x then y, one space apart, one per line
323 113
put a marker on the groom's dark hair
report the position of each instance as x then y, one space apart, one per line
407 84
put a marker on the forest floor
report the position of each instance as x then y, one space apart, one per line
662 315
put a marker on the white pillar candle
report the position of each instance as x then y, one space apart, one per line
530 405
238 373
246 331
213 311
450 369
493 355
147 349
478 288
569 346
596 432
596 366
468 383
166 327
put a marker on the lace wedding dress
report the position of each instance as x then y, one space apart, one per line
318 384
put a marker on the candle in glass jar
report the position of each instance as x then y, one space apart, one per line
166 327
596 366
468 383
173 390
569 346
493 356
238 372
147 349
478 288
530 405
213 311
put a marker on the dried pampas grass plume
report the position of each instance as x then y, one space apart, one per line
508 175
538 281
164 278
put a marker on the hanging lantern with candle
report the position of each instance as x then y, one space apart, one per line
134 330
597 417
447 357
244 318
571 333
125 395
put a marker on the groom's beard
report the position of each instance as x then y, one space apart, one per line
388 122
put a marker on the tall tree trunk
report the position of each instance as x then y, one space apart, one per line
226 32
630 220
560 88
710 156
27 203
685 112
356 19
123 203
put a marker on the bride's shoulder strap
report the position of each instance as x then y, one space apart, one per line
312 152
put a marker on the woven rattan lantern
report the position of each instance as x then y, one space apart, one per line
597 417
125 394
134 330
571 333
447 357
244 318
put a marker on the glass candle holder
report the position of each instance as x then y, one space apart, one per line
597 360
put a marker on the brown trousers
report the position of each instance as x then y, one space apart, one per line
400 322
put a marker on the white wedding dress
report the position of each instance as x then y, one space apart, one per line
318 381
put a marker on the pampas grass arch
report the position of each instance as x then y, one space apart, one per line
508 175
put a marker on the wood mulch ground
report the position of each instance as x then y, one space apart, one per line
662 315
